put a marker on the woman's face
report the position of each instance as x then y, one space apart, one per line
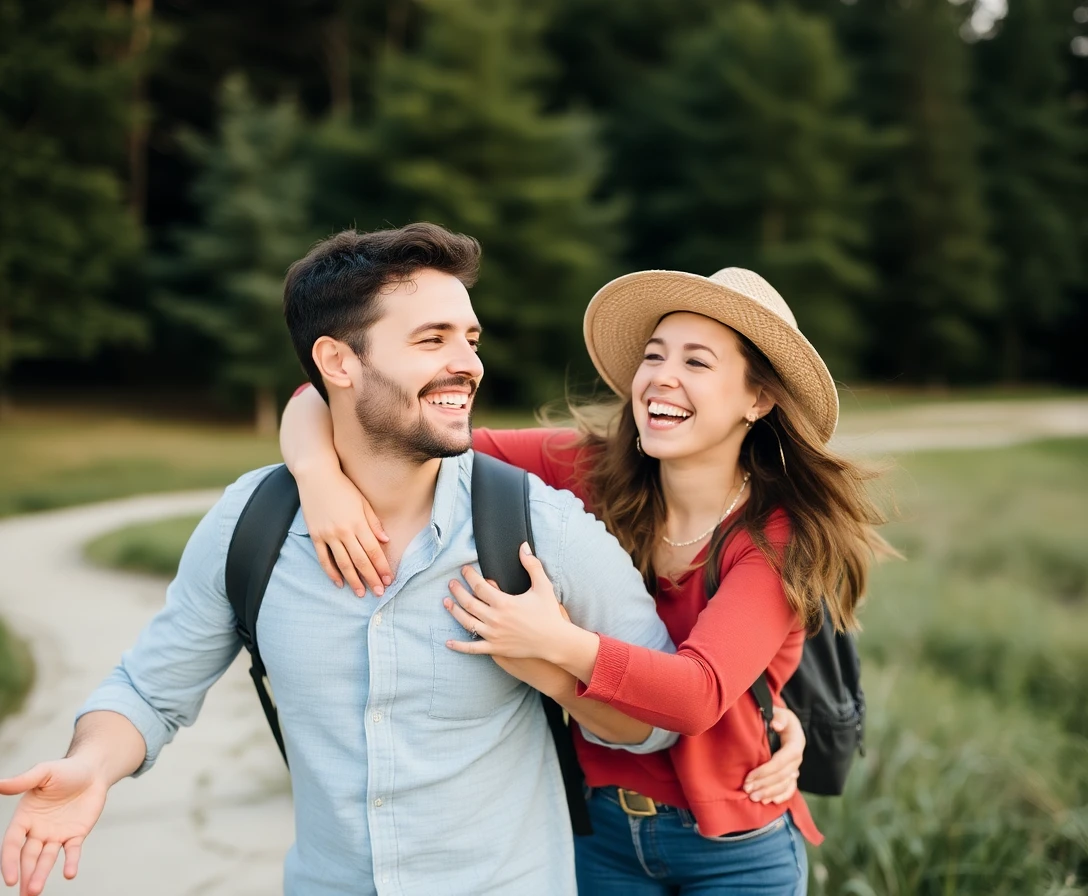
690 395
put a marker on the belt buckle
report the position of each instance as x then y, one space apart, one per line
644 806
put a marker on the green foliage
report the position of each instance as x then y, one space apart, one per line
16 671
976 664
739 151
1035 178
956 794
66 237
153 548
459 136
930 224
227 279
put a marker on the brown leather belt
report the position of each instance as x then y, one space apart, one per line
636 804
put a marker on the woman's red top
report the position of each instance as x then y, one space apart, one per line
700 691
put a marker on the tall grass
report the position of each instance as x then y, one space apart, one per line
957 794
976 648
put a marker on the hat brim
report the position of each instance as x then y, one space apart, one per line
622 316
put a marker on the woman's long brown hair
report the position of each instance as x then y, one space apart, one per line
833 518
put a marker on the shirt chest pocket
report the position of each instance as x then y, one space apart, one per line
464 687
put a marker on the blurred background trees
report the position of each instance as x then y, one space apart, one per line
909 173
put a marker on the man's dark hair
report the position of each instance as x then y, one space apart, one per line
335 290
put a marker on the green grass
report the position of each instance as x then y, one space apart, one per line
153 548
976 667
16 671
51 459
57 459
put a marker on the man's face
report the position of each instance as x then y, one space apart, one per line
421 369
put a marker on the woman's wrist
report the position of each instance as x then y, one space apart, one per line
316 466
575 650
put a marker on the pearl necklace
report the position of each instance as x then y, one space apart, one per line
728 510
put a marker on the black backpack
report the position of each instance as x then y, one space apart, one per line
825 693
500 520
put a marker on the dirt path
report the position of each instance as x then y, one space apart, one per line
214 817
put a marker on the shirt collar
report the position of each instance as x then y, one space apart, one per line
445 493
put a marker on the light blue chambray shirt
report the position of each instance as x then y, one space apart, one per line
415 769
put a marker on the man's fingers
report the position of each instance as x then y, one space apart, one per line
324 558
46 861
14 838
778 791
72 850
782 764
28 859
28 780
347 568
770 781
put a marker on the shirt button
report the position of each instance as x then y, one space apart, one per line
377 618
377 717
378 803
385 878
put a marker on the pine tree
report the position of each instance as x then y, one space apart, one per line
739 152
66 239
1035 182
226 282
459 136
929 228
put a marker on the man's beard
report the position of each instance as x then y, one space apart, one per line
382 411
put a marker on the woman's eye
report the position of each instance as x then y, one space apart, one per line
475 343
651 356
695 362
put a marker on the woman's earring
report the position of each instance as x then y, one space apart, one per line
638 445
748 421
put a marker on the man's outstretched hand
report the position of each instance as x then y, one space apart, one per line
61 802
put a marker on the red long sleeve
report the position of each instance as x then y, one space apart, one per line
745 626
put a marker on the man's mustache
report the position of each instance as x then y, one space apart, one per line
455 382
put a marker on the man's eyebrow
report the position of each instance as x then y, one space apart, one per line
442 327
688 346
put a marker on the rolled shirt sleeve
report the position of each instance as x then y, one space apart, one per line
161 682
598 584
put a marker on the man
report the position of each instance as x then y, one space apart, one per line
415 769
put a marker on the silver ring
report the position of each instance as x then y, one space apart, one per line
475 635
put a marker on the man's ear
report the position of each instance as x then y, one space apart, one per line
336 362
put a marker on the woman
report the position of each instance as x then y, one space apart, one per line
714 474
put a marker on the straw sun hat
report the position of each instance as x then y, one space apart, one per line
623 315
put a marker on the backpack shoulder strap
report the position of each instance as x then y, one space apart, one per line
254 549
762 692
501 522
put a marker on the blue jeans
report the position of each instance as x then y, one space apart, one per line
665 855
